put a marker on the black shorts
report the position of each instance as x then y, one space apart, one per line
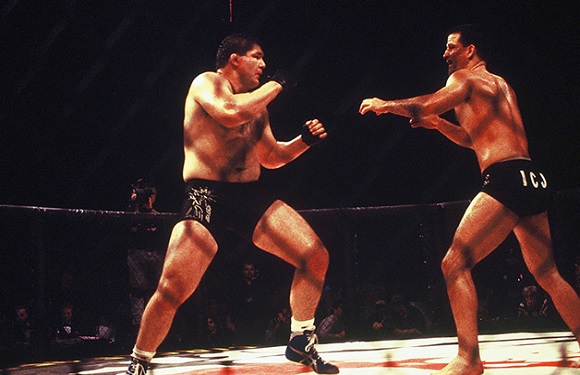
519 185
222 206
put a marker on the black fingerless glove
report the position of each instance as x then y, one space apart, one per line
309 138
285 78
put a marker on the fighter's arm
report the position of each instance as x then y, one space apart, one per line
455 92
453 132
215 95
424 110
275 154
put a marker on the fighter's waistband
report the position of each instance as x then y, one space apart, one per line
515 160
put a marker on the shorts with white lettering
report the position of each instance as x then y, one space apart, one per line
220 206
519 185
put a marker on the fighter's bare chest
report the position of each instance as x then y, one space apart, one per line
248 131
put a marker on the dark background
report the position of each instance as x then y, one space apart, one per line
92 94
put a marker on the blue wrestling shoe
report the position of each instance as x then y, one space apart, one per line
137 367
301 349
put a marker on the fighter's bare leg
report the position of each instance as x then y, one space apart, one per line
190 251
284 233
533 234
484 226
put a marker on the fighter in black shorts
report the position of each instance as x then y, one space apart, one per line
518 185
515 194
227 140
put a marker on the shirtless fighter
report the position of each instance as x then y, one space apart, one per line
515 192
227 139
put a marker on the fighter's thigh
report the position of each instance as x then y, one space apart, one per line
484 226
190 251
285 233
533 234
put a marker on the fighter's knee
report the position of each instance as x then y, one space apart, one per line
169 295
322 258
454 263
446 266
315 258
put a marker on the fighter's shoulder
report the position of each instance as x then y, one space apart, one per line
458 76
499 79
466 79
207 84
208 77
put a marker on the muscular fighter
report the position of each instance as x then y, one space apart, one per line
227 138
515 192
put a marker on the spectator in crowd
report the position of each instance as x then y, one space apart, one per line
536 311
22 335
146 251
248 306
333 328
216 333
380 323
67 329
534 303
66 340
278 329
219 330
23 332
408 321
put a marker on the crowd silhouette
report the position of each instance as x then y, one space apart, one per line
243 302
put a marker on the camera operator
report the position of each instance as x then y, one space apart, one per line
146 251
143 195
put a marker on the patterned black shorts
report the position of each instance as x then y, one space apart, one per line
222 206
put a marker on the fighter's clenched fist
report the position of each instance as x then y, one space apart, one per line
313 132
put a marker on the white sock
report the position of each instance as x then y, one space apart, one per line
142 354
298 327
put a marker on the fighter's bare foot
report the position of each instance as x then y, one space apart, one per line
461 366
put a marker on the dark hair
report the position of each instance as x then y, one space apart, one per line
235 43
144 183
471 34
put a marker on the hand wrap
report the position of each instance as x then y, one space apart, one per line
309 138
285 78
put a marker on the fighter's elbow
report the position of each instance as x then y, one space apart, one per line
416 110
466 142
273 162
233 115
270 160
